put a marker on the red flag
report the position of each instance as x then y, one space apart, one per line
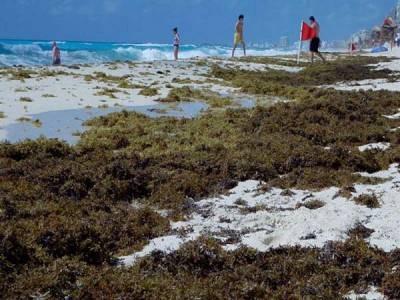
307 32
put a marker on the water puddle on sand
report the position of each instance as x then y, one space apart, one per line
247 103
65 124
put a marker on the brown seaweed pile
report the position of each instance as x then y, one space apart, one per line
67 212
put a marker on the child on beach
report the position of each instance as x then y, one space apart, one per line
56 54
177 41
315 41
238 39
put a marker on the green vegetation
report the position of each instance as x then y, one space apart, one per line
360 232
201 63
108 92
289 62
182 94
24 119
36 122
21 90
146 73
188 94
25 99
2 115
52 73
311 204
127 85
88 78
149 92
346 192
301 85
20 74
370 201
74 67
121 82
220 102
203 270
101 76
48 96
66 213
391 284
186 81
288 138
28 73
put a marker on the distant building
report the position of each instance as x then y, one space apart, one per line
362 38
338 45
260 45
283 42
367 38
395 14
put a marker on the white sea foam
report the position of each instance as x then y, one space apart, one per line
39 52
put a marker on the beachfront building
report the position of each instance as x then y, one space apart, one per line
283 42
396 13
364 38
368 38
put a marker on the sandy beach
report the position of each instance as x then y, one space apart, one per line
205 150
258 153
119 84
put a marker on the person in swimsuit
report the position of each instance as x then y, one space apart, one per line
56 54
315 41
177 41
238 39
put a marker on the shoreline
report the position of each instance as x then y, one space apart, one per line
26 92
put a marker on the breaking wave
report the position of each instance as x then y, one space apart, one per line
31 53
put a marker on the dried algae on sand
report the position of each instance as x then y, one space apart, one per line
67 212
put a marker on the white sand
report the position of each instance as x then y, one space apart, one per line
374 146
371 294
261 220
375 84
393 117
368 84
265 220
73 92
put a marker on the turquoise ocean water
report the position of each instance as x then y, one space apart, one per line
31 52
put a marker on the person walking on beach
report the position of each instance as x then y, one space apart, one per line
239 39
56 54
177 41
315 41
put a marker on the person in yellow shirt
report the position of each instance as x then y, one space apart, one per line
239 39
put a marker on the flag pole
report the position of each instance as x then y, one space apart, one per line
300 42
